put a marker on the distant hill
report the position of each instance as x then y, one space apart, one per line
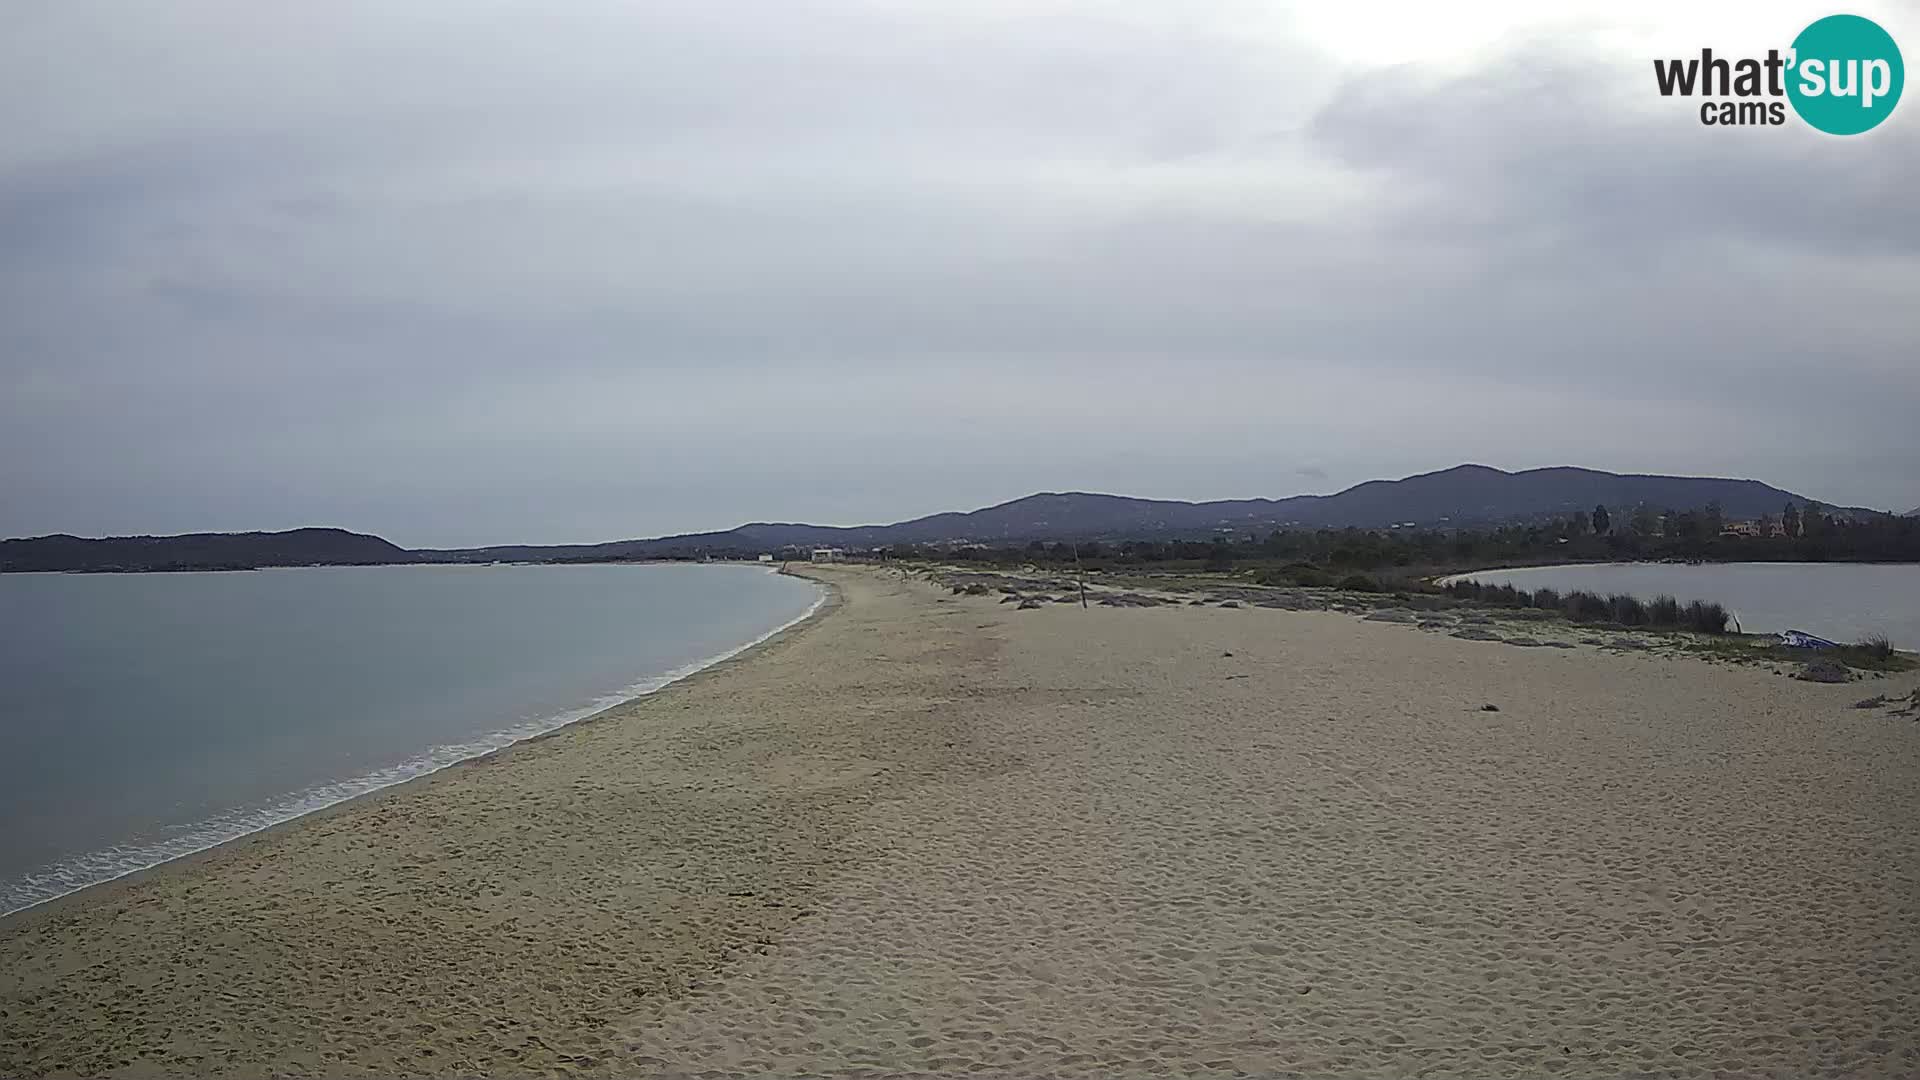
200 551
1478 494
1463 495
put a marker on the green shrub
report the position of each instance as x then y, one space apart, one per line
1359 583
1505 596
1706 618
1876 646
1312 577
1627 611
1583 606
1664 611
1297 573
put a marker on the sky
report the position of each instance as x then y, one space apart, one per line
472 272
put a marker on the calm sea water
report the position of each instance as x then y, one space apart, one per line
147 716
1841 601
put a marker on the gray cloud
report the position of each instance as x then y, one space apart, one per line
464 275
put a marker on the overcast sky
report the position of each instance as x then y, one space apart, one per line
459 272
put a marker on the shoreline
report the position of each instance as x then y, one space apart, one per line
237 569
827 601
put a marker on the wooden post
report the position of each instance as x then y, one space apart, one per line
1081 572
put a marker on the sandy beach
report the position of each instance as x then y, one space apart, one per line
932 833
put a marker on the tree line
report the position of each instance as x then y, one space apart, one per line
1799 533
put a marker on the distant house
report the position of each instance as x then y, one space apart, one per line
827 555
766 558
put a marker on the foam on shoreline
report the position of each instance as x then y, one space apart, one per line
71 874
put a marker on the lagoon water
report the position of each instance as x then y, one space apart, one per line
147 716
1841 601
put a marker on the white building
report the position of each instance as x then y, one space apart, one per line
827 554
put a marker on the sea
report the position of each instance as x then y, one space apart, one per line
144 717
1843 602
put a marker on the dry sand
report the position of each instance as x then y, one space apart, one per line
934 834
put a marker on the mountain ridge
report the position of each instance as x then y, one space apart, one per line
199 551
1467 494
1463 495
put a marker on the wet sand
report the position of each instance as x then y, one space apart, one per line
934 834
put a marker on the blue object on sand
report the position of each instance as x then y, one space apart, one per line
1800 639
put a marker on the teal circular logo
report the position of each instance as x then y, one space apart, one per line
1847 75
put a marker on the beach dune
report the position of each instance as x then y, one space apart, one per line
932 833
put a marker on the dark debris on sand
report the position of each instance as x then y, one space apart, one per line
1824 670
